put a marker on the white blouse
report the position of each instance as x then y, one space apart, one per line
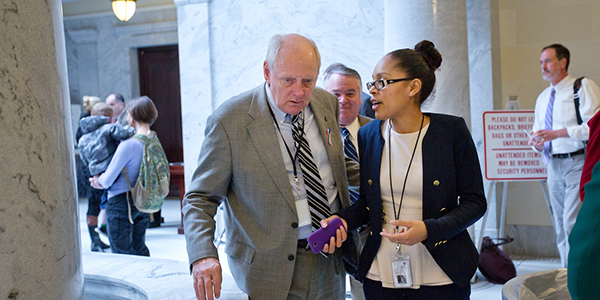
425 271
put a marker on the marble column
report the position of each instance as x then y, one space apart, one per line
444 22
485 79
40 255
195 76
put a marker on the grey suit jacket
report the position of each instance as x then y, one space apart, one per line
241 165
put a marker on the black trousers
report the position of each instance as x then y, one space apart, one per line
375 291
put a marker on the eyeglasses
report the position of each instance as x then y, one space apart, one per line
381 83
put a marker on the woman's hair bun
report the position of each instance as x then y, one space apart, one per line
430 54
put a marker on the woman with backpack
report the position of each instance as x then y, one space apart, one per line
126 224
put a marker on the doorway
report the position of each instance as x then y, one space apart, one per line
159 80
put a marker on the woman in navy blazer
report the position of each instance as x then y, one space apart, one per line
452 196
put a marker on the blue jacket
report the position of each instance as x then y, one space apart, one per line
453 195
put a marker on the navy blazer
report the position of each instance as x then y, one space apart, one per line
453 195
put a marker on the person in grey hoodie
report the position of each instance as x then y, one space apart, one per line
96 149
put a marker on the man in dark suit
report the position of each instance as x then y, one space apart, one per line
250 162
345 84
366 109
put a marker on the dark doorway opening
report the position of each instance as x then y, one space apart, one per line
159 80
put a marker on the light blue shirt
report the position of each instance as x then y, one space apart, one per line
313 136
129 154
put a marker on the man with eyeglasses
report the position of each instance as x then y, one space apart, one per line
274 157
345 84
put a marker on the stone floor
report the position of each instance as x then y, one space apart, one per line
165 243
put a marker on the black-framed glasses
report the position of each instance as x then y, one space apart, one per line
381 83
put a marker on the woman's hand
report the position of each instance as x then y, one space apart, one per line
94 182
415 232
339 238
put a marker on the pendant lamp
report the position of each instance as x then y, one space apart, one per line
123 9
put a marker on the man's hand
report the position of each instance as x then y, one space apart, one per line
415 232
94 182
339 238
207 278
539 137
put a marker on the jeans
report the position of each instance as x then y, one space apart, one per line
124 237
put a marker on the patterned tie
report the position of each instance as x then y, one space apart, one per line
350 152
548 123
315 191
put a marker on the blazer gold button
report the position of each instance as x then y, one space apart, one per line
436 182
443 209
370 182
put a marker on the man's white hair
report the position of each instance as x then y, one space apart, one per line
275 45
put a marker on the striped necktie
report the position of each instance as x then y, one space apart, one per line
548 123
349 148
315 191
350 152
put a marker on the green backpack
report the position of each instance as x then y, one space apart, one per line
152 185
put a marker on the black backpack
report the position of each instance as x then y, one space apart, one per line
576 87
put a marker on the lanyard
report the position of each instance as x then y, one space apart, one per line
397 214
294 157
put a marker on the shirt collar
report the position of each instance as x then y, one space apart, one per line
564 83
353 127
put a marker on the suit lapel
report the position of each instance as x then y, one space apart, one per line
265 139
362 120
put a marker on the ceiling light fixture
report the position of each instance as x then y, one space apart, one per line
123 9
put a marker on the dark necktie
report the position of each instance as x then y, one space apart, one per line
350 152
548 123
315 191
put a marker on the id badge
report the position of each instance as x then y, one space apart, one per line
401 271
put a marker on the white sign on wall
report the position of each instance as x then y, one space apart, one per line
508 157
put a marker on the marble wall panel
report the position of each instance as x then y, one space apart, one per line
196 79
350 32
531 241
113 41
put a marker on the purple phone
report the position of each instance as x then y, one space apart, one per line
319 238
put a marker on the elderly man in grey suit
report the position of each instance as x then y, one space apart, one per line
345 84
274 157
